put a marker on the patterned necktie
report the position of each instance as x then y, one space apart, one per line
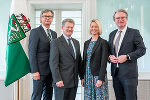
71 47
49 34
117 42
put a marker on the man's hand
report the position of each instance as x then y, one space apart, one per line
60 84
113 59
122 58
36 76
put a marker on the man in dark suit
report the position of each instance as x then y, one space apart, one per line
126 46
65 63
39 50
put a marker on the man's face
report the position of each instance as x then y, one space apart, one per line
68 29
121 20
46 18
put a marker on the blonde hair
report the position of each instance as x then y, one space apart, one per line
99 25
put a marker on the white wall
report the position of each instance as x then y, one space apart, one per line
6 93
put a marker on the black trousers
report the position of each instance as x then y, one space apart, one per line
65 93
125 89
42 87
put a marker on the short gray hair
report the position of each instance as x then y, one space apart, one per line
68 20
45 11
120 10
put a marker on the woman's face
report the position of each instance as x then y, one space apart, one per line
94 30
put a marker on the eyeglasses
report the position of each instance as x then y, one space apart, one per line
48 17
120 18
69 28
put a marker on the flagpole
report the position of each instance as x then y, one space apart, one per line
17 89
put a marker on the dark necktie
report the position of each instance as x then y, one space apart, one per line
71 47
117 42
49 34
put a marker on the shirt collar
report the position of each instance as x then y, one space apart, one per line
44 28
124 30
66 37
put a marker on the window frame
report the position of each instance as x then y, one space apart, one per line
58 19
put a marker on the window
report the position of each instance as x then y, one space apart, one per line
76 16
59 15
37 20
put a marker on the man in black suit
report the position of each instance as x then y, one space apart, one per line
39 50
126 46
65 63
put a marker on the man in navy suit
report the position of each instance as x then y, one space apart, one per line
126 46
39 50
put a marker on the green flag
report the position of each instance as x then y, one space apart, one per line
17 62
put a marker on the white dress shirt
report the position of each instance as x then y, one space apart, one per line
66 38
121 38
45 29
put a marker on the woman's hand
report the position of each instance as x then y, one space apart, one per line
99 83
82 82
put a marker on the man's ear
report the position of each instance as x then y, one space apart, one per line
40 19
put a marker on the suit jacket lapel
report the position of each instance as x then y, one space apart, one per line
94 48
65 44
96 45
126 36
111 42
86 47
43 33
76 46
53 34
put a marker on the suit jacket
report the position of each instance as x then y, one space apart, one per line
99 57
39 50
62 63
132 45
